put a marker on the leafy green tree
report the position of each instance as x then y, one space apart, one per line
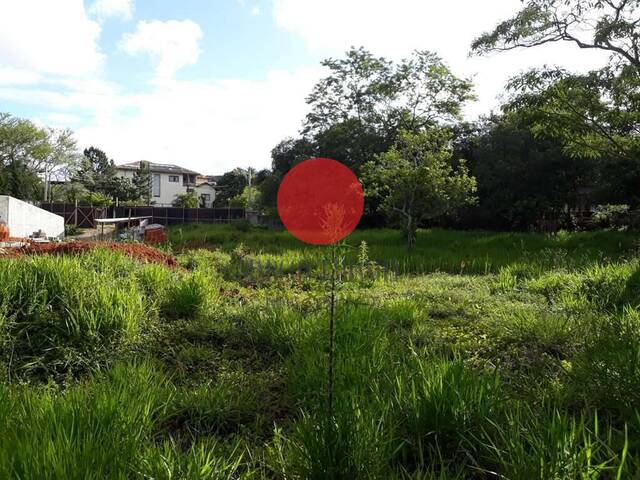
246 201
60 160
17 180
96 199
231 185
417 180
186 200
98 174
607 25
142 183
595 114
359 108
23 147
68 192
522 178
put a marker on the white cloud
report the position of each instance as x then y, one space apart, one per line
209 126
103 9
173 44
18 76
395 28
255 11
62 120
49 37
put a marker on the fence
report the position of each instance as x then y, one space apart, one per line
81 215
84 216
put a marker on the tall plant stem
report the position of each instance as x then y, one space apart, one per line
332 330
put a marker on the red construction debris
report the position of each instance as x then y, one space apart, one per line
155 235
4 232
134 250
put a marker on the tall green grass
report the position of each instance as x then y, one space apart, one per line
117 369
436 250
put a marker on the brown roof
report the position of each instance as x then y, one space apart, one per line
157 167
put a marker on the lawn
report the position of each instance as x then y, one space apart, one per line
476 356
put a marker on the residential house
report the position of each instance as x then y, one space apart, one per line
168 181
206 190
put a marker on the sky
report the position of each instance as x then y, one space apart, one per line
215 84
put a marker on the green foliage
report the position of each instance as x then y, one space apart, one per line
28 151
96 199
249 199
142 182
359 109
610 215
530 373
71 230
593 113
609 26
58 318
187 296
524 179
231 184
186 200
417 181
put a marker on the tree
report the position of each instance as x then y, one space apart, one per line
358 109
522 178
608 25
68 192
231 185
59 160
251 202
596 114
417 180
23 146
142 183
384 97
186 200
98 174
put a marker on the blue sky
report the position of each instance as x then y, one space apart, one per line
215 84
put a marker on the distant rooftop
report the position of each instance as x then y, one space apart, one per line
157 167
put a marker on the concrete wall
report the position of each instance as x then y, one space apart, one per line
24 219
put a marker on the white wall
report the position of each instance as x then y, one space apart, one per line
24 219
204 188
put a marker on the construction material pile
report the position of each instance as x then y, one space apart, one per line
138 251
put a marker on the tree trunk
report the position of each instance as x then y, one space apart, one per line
410 232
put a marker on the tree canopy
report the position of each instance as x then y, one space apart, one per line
418 181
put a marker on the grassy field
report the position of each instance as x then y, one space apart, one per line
476 356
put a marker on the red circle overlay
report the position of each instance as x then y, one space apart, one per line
320 201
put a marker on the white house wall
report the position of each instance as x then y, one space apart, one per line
207 189
24 219
168 190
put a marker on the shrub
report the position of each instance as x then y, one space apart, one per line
62 318
188 296
438 405
89 431
606 375
607 216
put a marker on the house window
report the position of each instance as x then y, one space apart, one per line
206 197
156 184
188 179
174 178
